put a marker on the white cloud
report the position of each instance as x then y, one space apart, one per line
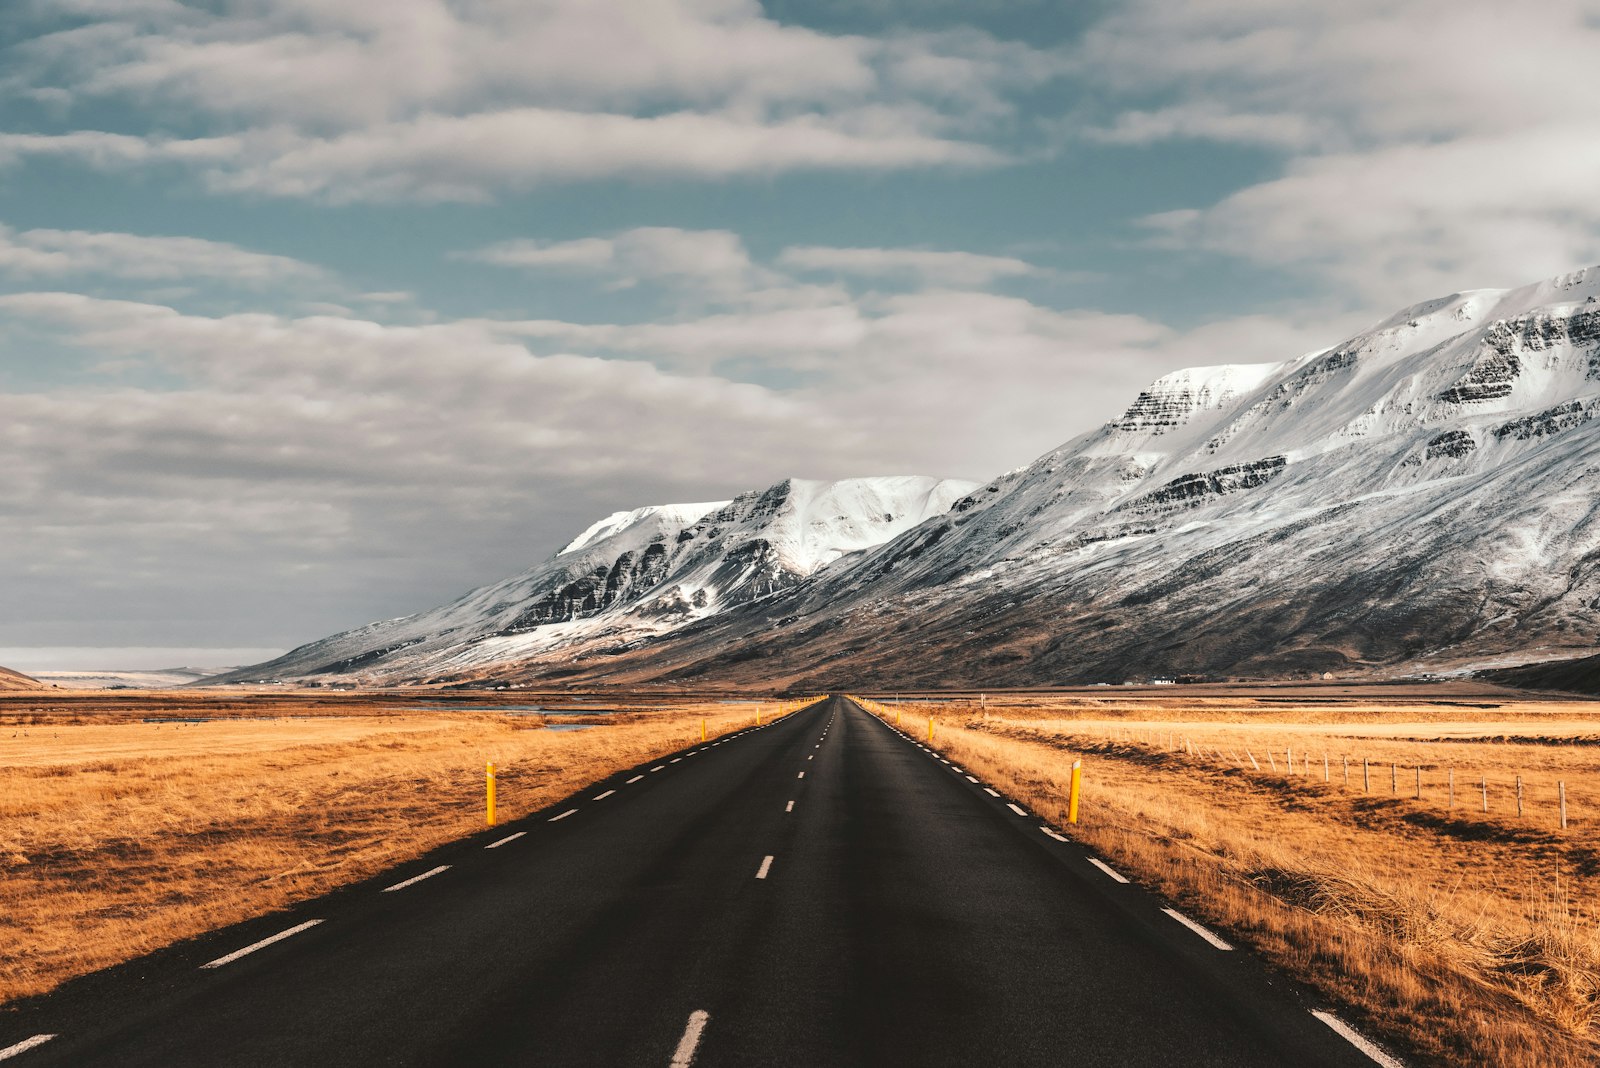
1431 144
932 266
423 99
54 253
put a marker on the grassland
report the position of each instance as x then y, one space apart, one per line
1463 937
124 828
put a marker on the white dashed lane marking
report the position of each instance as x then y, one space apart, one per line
416 879
265 942
635 779
1357 1039
991 791
802 775
789 807
24 1046
602 797
564 815
658 767
1108 869
1197 929
1051 831
503 841
971 779
683 1056
1018 809
766 866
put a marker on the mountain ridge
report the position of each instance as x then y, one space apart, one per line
1418 497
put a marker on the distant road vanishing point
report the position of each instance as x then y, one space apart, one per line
818 891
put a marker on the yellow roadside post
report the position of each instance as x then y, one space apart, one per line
930 728
758 715
490 798
1072 797
702 730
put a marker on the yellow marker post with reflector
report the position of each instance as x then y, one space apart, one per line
1072 796
490 797
930 728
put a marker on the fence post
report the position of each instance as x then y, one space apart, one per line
1366 777
1562 786
1452 789
1252 757
1345 757
1419 782
1519 797
1325 766
1394 778
1274 763
1484 785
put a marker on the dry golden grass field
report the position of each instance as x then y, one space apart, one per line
124 829
1464 936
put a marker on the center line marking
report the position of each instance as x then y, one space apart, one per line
416 879
766 866
602 797
789 807
674 760
683 1056
1016 808
1197 929
24 1046
1348 1033
991 791
813 756
503 841
635 779
279 937
564 815
1108 869
802 775
658 767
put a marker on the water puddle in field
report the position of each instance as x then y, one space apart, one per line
571 726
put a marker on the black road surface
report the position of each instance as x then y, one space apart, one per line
817 892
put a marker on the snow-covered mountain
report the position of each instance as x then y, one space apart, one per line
1424 495
633 576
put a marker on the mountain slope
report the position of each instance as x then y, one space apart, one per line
632 576
1421 496
14 680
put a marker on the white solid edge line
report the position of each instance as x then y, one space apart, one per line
416 879
279 937
1051 831
635 779
683 1056
602 797
1197 929
766 866
24 1046
789 807
991 791
1358 1040
1018 809
1109 870
564 815
503 841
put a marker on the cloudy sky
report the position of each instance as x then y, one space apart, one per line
319 311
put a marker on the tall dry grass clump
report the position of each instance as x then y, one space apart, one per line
1465 938
118 837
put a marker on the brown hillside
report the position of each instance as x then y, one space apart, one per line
12 680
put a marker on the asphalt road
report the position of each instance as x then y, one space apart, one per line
817 892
